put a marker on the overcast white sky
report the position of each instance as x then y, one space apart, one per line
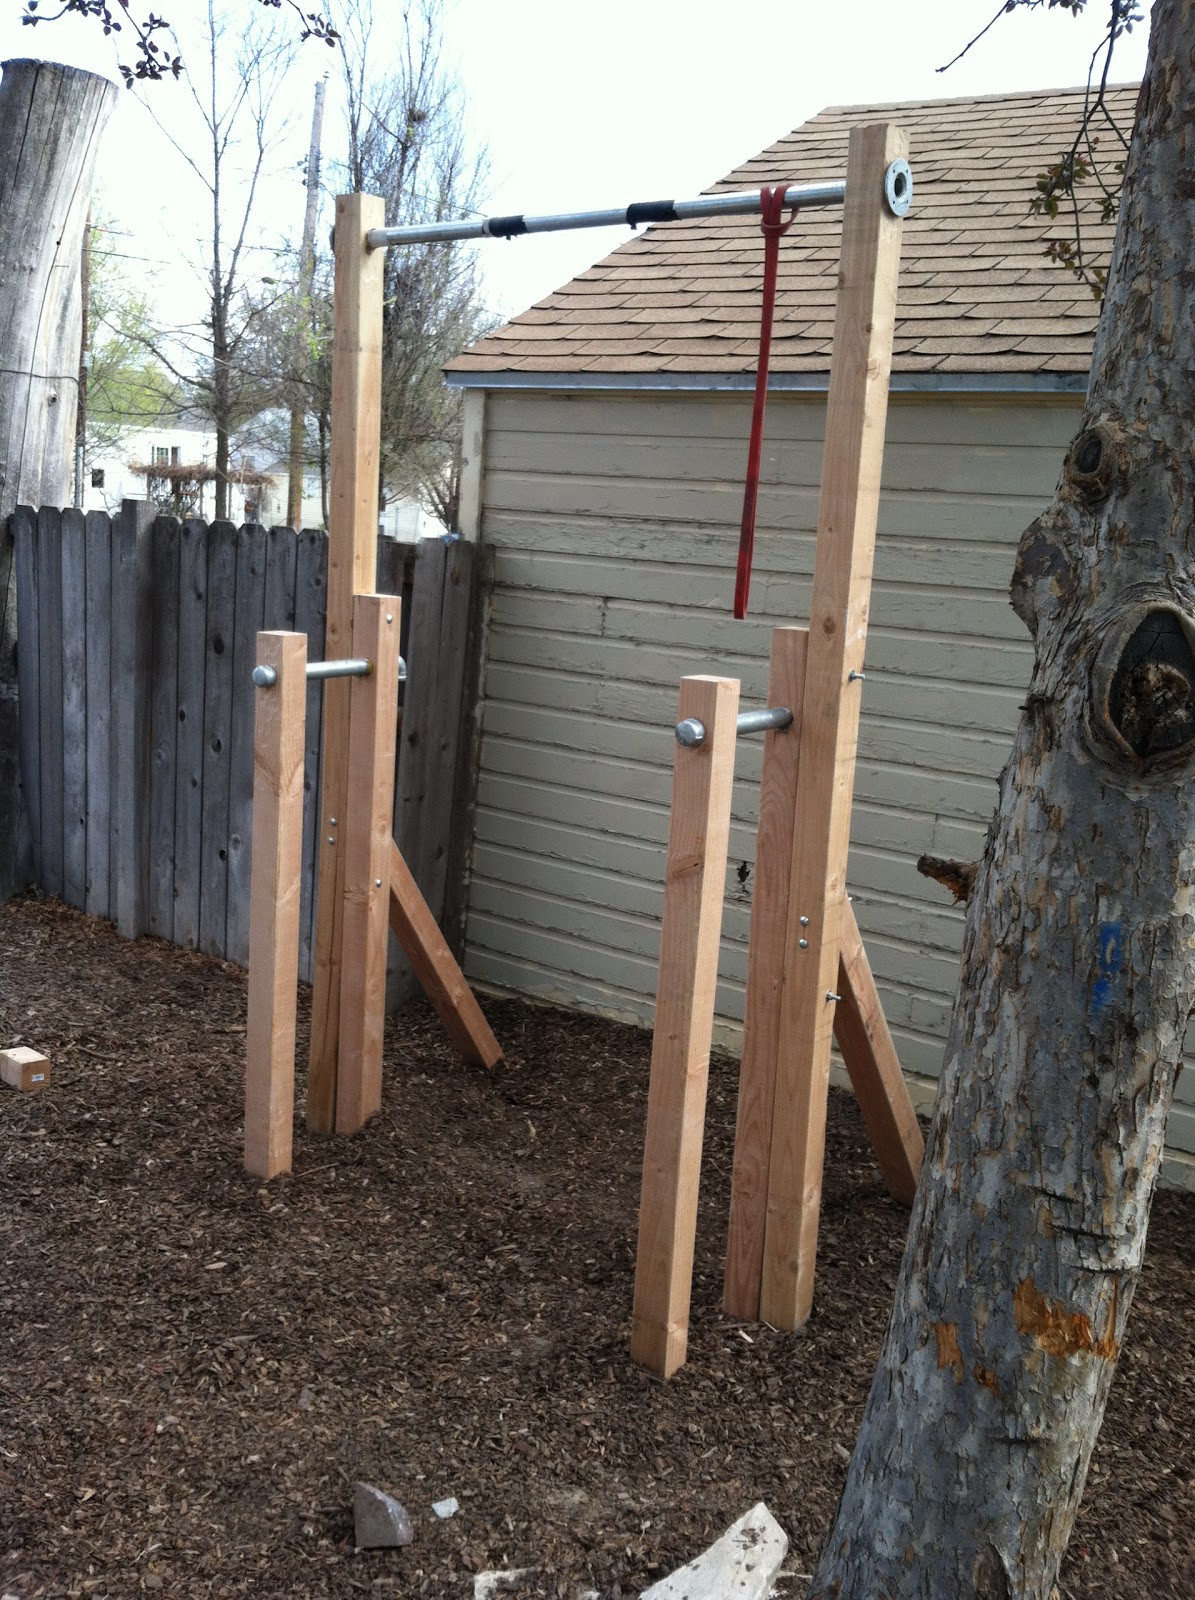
601 105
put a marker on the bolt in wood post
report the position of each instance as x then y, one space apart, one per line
366 845
274 895
698 839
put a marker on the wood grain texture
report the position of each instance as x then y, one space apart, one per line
436 968
25 560
365 843
278 753
352 555
74 708
311 592
131 643
870 1057
49 600
765 980
164 724
189 746
856 410
703 778
217 735
99 713
249 618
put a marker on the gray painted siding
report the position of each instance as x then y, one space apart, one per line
615 523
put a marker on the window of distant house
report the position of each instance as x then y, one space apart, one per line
161 455
97 477
175 458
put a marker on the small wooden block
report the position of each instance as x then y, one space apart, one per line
23 1069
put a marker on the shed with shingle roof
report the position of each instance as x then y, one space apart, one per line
605 445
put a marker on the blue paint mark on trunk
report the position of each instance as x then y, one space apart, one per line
1111 957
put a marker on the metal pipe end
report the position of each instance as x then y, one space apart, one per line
898 187
690 733
265 677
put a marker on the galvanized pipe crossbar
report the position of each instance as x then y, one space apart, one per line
734 204
898 192
691 732
345 667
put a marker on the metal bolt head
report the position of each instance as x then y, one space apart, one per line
331 839
830 995
377 883
804 922
331 822
803 944
389 616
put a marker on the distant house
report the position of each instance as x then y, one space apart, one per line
606 433
124 469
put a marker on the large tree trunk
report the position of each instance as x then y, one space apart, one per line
50 119
1027 1234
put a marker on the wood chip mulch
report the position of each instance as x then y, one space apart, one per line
195 1367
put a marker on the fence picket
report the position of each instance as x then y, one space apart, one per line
24 532
130 722
49 600
188 749
311 609
98 650
248 620
74 708
164 585
217 730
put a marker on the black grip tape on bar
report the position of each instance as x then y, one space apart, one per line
651 211
505 227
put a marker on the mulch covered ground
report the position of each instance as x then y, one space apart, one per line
195 1367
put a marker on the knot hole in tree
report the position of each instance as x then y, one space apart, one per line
1150 679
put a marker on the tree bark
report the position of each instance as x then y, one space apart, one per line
50 120
1029 1225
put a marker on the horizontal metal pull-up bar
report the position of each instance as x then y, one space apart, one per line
898 188
691 732
346 667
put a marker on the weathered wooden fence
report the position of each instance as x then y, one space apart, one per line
136 647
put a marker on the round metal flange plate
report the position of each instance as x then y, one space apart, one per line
898 188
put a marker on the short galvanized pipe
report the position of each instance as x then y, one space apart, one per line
345 667
691 732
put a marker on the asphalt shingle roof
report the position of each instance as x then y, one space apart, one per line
977 292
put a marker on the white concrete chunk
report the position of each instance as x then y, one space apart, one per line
741 1565
488 1584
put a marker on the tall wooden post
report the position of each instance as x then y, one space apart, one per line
352 568
275 891
855 417
365 847
698 839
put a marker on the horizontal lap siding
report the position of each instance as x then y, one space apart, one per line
615 526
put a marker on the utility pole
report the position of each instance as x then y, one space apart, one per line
84 363
298 408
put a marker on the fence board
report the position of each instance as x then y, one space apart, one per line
252 550
74 708
217 729
130 726
163 738
24 532
98 646
282 549
311 605
49 600
188 750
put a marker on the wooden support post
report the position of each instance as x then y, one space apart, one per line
274 894
855 417
870 1058
765 979
352 558
698 839
365 843
435 966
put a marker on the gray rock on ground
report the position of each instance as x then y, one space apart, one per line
380 1522
741 1565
